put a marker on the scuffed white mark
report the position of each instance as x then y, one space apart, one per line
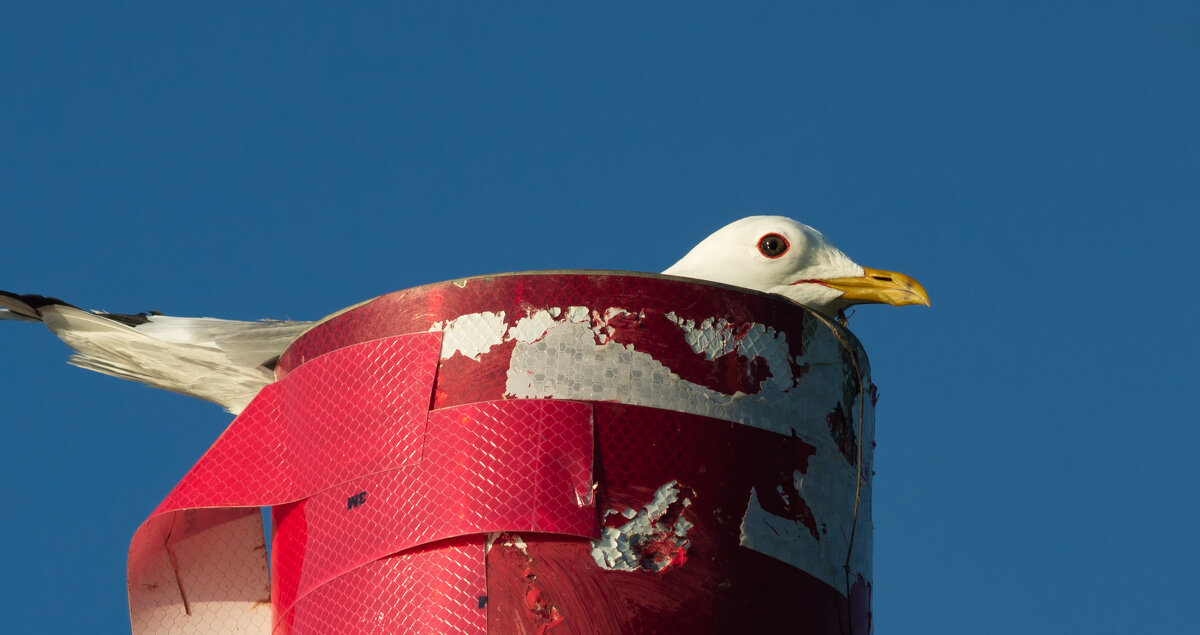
791 541
472 334
516 541
645 542
511 540
586 498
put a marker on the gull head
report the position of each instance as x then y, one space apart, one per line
779 255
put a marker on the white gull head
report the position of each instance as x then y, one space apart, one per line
779 255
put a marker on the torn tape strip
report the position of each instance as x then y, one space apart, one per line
354 417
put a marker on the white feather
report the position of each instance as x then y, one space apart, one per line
217 360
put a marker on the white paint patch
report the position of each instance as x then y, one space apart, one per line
791 541
567 363
569 354
471 335
579 314
639 544
715 337
529 329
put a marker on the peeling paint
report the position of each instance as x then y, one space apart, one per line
652 539
567 363
471 335
529 329
792 539
716 337
596 354
579 314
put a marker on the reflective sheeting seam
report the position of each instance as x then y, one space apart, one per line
347 443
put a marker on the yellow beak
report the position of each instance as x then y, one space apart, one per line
879 287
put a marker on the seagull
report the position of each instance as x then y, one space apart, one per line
228 362
778 255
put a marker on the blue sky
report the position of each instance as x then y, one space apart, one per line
1036 166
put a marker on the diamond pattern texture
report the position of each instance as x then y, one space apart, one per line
292 441
360 411
381 503
223 565
432 589
521 465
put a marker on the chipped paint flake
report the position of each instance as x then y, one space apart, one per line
579 314
505 539
529 329
471 335
715 337
652 539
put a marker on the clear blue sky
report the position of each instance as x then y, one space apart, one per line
1036 167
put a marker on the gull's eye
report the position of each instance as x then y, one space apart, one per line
772 245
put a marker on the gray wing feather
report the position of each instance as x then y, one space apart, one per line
226 362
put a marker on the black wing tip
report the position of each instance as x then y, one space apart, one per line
30 305
34 300
127 319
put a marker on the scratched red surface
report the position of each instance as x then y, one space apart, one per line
409 555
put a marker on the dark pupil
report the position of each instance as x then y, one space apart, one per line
771 245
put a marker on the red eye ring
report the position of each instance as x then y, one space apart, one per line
773 245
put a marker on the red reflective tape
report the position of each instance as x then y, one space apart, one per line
520 465
733 503
440 588
347 439
354 411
